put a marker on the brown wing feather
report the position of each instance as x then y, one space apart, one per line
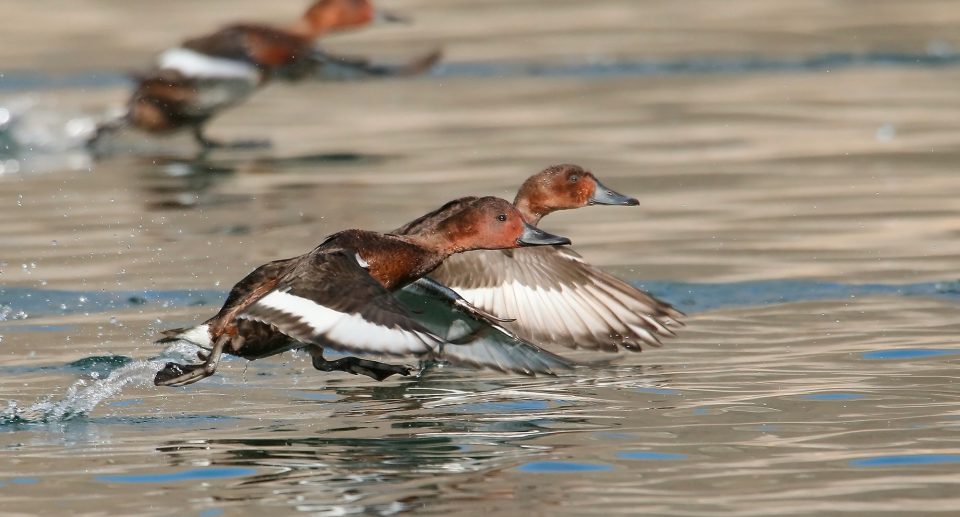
257 283
329 299
427 222
250 43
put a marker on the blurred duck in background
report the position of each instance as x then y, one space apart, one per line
195 81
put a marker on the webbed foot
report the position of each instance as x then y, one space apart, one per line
208 143
175 374
356 366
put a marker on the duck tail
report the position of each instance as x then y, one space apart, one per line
171 335
199 336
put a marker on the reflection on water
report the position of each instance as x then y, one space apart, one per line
798 200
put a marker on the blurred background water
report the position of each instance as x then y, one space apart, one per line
796 166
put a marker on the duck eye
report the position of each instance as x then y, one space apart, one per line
502 217
574 178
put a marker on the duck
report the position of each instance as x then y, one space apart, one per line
191 83
340 296
552 294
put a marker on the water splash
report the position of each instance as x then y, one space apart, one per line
82 397
42 137
28 126
86 394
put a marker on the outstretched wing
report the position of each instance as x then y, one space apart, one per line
330 300
556 297
252 286
474 338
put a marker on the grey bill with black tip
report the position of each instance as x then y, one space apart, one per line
607 196
533 236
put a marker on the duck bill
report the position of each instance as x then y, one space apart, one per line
606 196
533 236
381 16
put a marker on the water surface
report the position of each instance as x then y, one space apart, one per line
796 166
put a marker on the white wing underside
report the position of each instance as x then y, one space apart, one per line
556 297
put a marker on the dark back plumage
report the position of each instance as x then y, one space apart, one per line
429 221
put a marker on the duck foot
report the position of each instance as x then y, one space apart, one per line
175 374
355 365
103 129
238 144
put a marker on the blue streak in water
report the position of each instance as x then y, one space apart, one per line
41 302
906 460
615 436
562 466
37 328
126 403
598 68
650 455
700 297
516 405
658 391
707 65
311 395
834 396
186 475
690 297
911 353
